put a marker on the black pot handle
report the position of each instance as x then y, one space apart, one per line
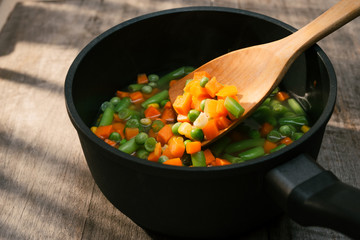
312 196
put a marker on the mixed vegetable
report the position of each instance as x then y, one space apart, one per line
141 121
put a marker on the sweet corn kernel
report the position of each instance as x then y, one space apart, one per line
185 129
155 105
305 128
93 129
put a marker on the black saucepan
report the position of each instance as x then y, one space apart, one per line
217 201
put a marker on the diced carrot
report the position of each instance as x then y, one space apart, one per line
168 105
213 87
191 84
182 103
116 118
209 156
210 130
172 82
227 91
222 122
168 115
286 140
265 129
198 91
155 155
177 146
182 118
122 94
152 113
136 97
193 147
200 74
173 162
131 133
210 108
119 127
221 110
167 153
221 162
142 78
164 134
110 142
104 132
268 146
196 101
282 96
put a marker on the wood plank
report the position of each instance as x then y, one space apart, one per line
46 190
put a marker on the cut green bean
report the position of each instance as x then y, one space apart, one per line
233 107
146 89
252 153
153 78
297 135
129 146
106 105
153 84
135 87
281 146
150 144
198 159
297 121
287 130
163 158
279 109
123 103
295 106
115 100
176 74
244 144
261 114
274 136
157 98
107 117
231 158
142 153
141 138
115 136
157 125
218 147
255 134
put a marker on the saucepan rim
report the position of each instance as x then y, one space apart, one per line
80 125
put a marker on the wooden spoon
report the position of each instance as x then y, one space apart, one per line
257 70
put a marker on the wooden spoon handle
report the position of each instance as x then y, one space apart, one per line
331 20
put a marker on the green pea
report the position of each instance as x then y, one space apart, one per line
153 78
157 125
146 89
141 138
187 81
297 135
142 153
115 136
287 130
150 144
123 141
175 128
202 105
197 134
204 81
193 115
115 100
152 84
186 142
124 114
163 158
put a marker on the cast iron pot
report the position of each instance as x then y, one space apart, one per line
218 201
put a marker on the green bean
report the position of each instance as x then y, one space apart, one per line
197 134
175 128
281 146
253 133
244 144
123 141
157 125
274 136
252 153
129 146
295 106
157 98
297 135
115 136
115 100
279 109
275 91
219 146
124 114
107 117
233 107
297 121
266 102
287 130
176 74
204 81
193 115
141 138
198 159
135 87
132 123
142 153
153 78
150 144
163 158
106 105
152 84
146 89
261 114
274 102
231 158
163 102
123 103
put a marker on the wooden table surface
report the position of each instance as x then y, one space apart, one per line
46 189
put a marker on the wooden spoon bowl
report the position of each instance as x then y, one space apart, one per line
257 70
